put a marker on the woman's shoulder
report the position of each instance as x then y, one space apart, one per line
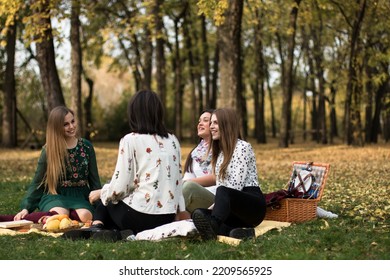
43 151
133 135
144 137
134 138
85 142
172 136
243 143
174 140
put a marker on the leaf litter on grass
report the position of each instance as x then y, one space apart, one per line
358 184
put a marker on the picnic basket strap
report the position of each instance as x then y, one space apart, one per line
302 181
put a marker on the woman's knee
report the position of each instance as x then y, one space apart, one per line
60 210
84 215
185 189
223 191
189 189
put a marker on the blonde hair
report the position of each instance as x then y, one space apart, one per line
56 149
229 133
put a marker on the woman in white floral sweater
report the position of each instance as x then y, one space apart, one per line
146 189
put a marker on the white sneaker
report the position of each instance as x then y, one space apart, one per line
130 238
321 213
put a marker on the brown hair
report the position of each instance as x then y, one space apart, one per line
229 133
146 114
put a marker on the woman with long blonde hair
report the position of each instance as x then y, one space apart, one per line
66 180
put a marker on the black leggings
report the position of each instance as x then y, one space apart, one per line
121 216
236 208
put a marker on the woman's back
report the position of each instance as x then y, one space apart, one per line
156 161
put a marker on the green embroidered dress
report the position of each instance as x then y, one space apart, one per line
82 177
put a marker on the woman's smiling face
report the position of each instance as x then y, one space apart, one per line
204 125
70 126
214 127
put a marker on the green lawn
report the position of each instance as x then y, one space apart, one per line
357 190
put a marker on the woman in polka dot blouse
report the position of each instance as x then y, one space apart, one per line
239 203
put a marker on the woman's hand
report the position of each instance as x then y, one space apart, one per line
20 216
94 195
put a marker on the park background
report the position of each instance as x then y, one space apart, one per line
294 70
309 79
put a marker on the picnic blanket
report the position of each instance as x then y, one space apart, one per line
7 231
187 228
183 228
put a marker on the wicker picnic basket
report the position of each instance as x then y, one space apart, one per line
300 209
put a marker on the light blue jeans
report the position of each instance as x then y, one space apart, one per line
196 196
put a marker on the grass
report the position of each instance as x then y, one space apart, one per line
357 190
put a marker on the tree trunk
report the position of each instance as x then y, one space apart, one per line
271 102
46 58
227 60
148 60
369 103
380 100
9 111
386 115
192 43
258 90
316 32
88 109
321 118
179 83
160 54
333 116
350 113
304 117
206 65
231 91
229 41
314 111
310 83
143 59
375 98
288 81
214 81
76 62
134 69
194 102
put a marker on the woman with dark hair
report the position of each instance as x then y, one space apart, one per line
66 180
198 187
239 204
145 190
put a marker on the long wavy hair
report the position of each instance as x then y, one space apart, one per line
56 148
229 133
